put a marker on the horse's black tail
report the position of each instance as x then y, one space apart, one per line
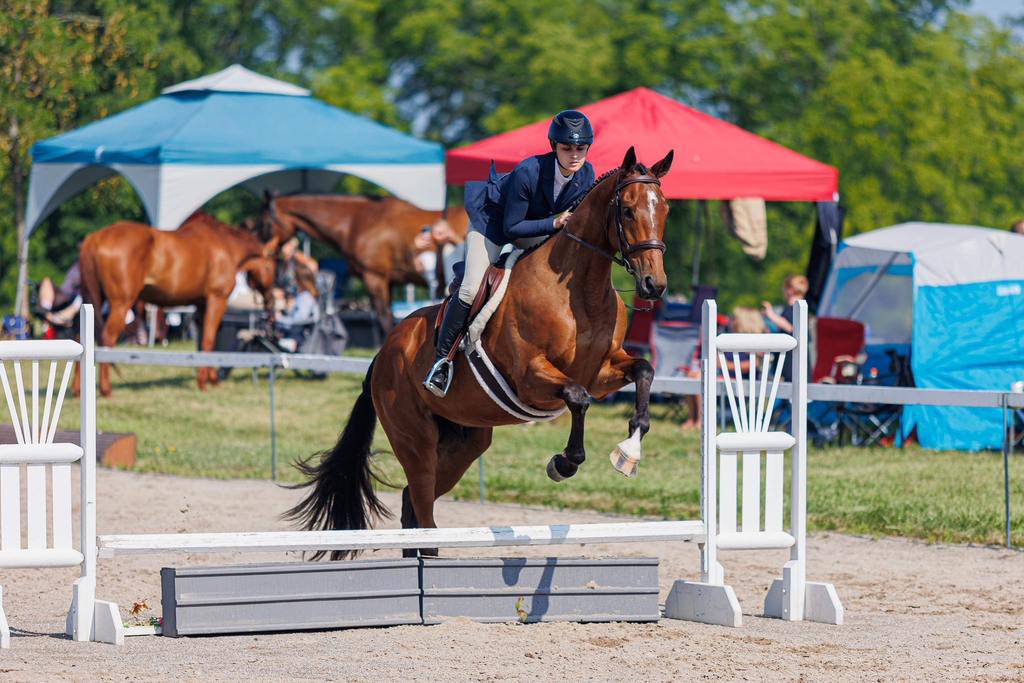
342 495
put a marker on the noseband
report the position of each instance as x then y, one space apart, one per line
625 248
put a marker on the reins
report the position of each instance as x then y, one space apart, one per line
625 248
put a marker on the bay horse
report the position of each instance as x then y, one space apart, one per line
556 337
195 264
375 236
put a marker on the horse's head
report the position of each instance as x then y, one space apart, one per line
261 273
637 223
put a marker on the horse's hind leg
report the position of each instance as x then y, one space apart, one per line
458 448
379 288
112 328
413 434
212 315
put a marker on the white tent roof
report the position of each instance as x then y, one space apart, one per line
943 254
233 127
236 78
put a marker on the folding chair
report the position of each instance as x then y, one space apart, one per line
840 348
638 334
673 352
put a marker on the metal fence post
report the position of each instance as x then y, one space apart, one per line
1006 474
273 425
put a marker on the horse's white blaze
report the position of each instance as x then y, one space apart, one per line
652 201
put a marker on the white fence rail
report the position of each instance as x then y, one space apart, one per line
841 393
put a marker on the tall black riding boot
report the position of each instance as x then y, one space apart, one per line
440 376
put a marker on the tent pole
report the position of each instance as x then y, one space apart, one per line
695 268
870 286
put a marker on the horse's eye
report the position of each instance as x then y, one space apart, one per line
627 213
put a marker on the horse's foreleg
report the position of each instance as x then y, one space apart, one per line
619 370
214 312
111 331
544 383
564 465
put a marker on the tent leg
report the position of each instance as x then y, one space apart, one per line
695 268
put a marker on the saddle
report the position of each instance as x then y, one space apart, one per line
493 278
488 376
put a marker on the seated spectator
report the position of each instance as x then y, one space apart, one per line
59 307
433 240
744 321
300 310
794 288
289 261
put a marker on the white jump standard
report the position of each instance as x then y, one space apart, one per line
88 618
792 597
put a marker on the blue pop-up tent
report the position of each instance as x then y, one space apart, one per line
233 127
953 296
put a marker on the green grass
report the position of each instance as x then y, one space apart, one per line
224 433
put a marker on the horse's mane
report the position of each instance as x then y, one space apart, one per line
597 181
203 218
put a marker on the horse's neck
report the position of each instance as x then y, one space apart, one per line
242 244
327 220
568 257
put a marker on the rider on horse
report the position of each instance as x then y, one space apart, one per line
522 208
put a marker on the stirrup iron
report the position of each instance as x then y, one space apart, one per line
428 383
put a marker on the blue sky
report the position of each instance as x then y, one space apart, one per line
997 9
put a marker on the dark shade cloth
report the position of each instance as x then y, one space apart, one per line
827 235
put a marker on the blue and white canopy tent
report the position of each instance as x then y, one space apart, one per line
233 127
953 296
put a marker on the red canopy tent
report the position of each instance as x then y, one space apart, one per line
713 160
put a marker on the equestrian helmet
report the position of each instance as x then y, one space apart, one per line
571 127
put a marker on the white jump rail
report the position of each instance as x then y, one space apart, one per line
469 537
751 375
36 460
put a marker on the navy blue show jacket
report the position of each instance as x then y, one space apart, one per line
520 204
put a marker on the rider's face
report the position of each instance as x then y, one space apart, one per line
571 157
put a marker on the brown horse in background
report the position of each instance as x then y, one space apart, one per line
195 264
556 337
375 236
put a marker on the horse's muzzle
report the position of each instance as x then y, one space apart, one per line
647 288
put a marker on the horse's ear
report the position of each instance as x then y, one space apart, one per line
662 167
270 248
629 161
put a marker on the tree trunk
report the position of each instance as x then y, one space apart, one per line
18 178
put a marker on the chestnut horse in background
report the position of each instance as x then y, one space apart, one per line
375 236
195 264
556 337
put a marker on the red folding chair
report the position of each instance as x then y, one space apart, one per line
838 342
638 334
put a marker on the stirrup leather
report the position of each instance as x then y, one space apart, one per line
429 383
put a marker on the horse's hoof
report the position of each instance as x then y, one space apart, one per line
557 473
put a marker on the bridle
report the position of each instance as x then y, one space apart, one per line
625 248
274 219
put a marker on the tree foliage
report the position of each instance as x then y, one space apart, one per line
915 101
